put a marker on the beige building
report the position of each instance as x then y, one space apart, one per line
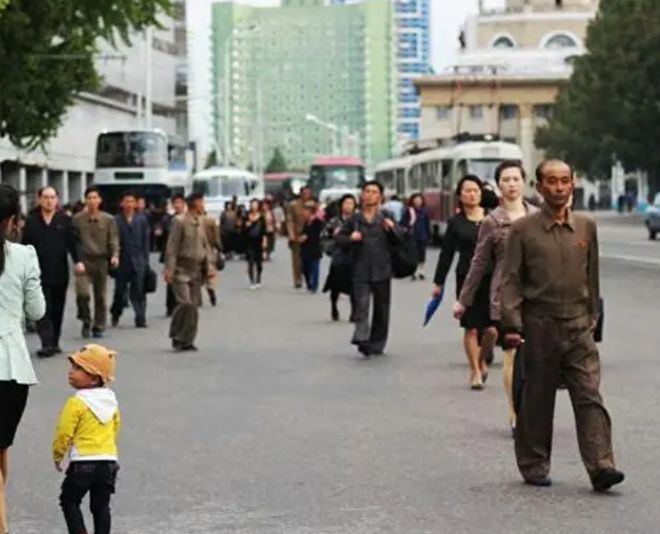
512 64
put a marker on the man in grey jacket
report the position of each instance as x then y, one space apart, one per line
368 234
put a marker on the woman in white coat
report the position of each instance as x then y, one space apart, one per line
20 297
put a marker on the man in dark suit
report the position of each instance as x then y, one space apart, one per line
368 234
52 234
134 241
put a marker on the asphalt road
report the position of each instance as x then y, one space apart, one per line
275 426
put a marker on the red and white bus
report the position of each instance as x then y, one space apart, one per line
435 173
331 177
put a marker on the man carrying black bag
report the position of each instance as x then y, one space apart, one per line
550 297
370 236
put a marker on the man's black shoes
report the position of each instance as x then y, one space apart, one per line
544 482
86 331
365 350
46 352
607 478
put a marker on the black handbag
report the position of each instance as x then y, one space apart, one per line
404 256
150 281
220 262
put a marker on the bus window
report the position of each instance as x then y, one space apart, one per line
430 175
446 181
401 182
415 179
131 149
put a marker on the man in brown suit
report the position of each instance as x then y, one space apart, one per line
550 295
295 223
185 261
100 244
212 229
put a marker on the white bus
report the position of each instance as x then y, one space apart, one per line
435 173
143 161
220 185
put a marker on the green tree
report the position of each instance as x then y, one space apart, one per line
277 162
610 109
47 50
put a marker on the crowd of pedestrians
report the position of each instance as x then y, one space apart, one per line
527 280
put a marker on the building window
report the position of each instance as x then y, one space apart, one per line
559 40
544 111
442 112
508 112
476 112
504 42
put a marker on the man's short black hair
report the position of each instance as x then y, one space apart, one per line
128 193
376 183
509 164
540 169
178 196
194 197
92 189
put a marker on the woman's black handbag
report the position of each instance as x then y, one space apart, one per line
150 281
220 262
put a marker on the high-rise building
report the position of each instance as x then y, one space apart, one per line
413 36
305 77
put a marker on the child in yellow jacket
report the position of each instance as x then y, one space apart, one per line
87 430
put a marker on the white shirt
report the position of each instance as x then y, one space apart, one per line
20 296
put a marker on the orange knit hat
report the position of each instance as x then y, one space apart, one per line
97 361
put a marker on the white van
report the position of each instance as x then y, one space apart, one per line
220 184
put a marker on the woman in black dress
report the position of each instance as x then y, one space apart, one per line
339 278
254 235
461 237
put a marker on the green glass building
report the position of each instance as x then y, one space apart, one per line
276 68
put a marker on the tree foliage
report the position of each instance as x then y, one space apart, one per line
277 162
611 107
47 52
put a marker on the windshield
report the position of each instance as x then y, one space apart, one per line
335 177
222 186
131 149
483 168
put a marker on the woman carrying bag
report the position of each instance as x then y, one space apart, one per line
20 296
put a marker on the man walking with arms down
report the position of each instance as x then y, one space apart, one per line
550 296
295 223
185 261
52 234
368 234
100 243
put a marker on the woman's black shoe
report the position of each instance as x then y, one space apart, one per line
335 314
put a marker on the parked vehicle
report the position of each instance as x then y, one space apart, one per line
652 219
220 185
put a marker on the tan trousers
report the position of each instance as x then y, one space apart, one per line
94 279
507 375
561 349
185 319
296 263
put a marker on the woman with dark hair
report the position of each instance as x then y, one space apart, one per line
416 219
254 233
20 296
461 237
491 246
339 278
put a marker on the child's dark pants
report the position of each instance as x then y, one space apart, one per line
96 477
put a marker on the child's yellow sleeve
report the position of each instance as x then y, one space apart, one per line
116 420
66 428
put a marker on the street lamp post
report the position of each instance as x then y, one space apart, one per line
329 126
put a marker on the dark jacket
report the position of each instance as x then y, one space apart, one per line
135 243
372 256
310 249
52 242
421 226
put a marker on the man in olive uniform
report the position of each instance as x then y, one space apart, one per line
100 243
295 223
212 229
550 295
185 260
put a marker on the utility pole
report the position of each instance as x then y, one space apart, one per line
149 38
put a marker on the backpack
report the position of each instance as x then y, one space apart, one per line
404 256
